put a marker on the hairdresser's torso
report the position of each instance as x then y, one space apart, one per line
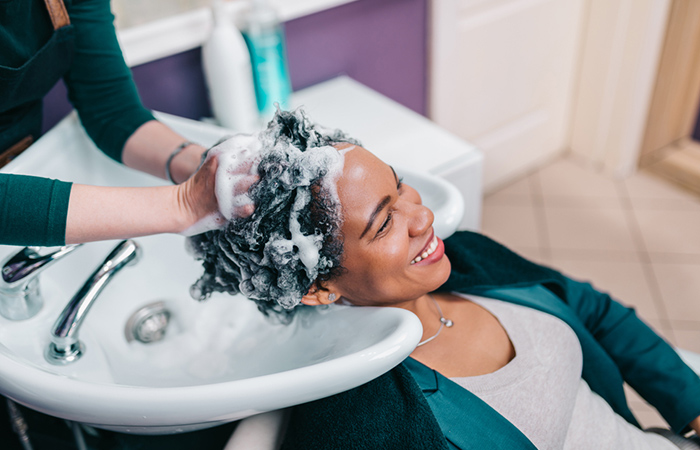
44 41
34 56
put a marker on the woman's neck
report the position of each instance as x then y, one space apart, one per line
477 344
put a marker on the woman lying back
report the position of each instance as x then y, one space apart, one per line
513 355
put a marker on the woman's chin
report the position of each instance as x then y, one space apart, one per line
446 268
435 274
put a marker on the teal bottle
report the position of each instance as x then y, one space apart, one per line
264 36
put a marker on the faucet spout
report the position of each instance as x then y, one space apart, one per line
65 347
19 280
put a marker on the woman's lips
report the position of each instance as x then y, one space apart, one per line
426 248
431 253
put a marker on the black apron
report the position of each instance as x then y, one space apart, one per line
23 88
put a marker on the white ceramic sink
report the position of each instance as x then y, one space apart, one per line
220 360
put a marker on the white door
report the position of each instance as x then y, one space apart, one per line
502 77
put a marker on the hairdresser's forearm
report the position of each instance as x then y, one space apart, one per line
149 148
99 213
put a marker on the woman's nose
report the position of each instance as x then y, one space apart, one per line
420 220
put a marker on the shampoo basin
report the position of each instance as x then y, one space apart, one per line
220 360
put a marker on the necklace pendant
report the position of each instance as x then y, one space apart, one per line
443 323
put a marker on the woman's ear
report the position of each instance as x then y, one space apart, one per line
316 297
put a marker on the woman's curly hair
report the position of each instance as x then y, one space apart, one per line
265 256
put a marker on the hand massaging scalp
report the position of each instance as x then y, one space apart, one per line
293 235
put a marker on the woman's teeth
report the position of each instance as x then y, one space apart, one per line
428 251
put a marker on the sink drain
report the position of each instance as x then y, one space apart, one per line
148 324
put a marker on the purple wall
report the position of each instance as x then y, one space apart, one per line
381 43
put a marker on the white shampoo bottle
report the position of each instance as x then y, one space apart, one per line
229 75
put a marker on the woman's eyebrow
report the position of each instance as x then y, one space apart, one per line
385 201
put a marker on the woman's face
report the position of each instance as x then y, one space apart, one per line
389 249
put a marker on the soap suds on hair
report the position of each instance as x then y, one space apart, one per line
238 158
293 236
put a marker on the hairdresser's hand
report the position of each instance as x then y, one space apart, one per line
196 201
199 200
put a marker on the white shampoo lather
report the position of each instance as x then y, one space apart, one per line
229 75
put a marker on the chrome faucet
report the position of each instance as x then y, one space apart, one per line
20 297
65 347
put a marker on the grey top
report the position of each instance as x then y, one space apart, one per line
541 391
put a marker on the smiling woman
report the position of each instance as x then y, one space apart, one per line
386 230
516 355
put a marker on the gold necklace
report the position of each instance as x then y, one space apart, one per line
444 322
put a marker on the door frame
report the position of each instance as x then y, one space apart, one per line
618 67
676 95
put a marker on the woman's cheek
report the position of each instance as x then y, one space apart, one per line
396 251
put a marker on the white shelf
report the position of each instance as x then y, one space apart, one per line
172 35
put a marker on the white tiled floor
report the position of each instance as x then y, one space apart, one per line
637 238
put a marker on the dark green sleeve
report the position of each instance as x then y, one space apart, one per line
33 210
99 83
647 362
